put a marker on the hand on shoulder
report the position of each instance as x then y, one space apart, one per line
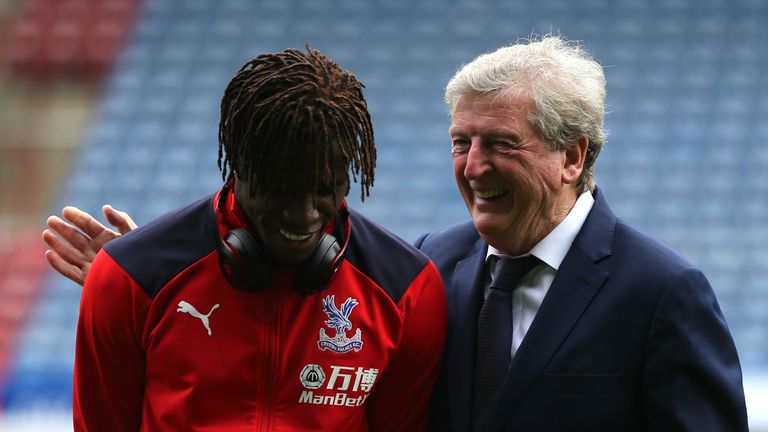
75 240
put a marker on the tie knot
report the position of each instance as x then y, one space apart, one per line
509 271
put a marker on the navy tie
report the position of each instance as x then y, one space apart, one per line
494 335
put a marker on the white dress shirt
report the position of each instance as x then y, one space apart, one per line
527 297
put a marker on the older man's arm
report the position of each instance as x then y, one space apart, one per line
75 239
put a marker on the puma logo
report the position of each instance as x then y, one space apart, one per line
188 308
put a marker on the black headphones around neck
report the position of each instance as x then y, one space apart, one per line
245 264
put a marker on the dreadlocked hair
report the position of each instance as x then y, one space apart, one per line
293 113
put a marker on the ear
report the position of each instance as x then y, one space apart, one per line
573 163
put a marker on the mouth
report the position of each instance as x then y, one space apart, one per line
290 244
293 236
487 194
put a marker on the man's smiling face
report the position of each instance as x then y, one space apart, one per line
511 182
290 223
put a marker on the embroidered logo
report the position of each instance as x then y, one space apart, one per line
185 307
338 319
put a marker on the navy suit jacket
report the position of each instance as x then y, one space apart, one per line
629 337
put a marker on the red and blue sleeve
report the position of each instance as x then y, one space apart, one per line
109 359
401 400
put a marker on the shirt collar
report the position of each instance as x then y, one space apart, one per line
552 248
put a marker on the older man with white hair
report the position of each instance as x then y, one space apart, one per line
561 316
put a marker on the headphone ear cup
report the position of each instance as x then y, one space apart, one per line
242 261
229 263
316 272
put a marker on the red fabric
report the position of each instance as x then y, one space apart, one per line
144 365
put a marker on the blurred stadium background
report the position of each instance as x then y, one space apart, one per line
116 101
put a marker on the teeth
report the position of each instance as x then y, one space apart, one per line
490 193
294 237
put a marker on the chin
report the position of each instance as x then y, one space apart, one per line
489 229
497 231
291 259
490 221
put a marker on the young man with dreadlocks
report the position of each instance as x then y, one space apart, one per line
268 305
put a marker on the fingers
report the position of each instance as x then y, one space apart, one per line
118 219
75 238
84 221
62 266
73 250
64 249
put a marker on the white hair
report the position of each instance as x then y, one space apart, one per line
567 87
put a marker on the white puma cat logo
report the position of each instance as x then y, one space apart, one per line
188 308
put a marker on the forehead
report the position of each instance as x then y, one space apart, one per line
492 108
494 105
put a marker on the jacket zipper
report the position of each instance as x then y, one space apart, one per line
271 369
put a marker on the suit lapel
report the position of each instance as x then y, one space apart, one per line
466 294
578 280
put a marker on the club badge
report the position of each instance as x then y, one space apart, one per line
338 319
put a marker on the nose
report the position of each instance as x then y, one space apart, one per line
477 161
301 211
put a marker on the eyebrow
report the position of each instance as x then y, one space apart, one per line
491 133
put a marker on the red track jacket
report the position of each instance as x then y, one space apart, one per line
164 343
